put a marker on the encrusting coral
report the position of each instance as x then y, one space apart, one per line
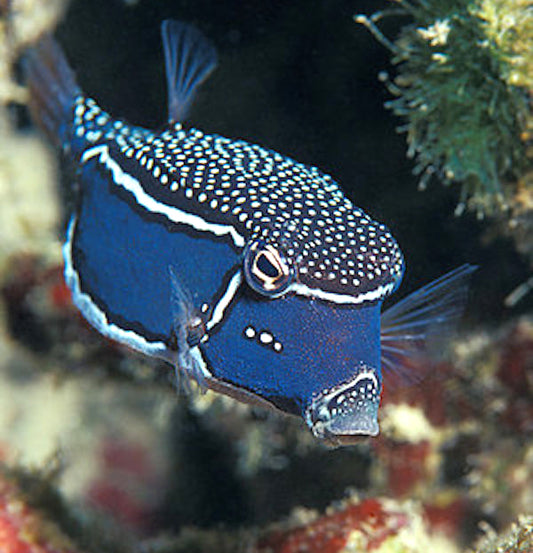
28 203
24 528
516 539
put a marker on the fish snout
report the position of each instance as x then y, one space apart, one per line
347 412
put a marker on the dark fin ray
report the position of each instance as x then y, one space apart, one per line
52 87
413 329
189 59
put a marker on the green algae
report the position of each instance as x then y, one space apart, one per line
464 91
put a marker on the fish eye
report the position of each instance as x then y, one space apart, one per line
266 269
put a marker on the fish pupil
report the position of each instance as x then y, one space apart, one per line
266 266
266 270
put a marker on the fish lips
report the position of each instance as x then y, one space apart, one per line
344 414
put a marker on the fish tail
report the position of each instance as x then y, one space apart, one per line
53 89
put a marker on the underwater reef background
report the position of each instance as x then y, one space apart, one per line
99 452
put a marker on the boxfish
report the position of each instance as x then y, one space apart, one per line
248 272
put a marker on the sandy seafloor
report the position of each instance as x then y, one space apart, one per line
141 468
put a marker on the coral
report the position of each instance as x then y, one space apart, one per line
464 90
466 428
24 528
128 482
121 473
519 226
516 539
508 27
355 525
498 409
454 443
515 369
28 206
28 176
167 471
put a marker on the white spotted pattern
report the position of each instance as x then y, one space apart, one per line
334 246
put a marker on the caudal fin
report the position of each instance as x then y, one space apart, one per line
53 89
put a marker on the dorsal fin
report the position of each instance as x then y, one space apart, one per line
189 58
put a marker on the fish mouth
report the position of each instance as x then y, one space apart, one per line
348 412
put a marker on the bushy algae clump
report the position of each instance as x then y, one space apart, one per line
464 87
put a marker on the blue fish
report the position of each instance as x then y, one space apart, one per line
249 272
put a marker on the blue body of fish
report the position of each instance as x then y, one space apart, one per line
249 272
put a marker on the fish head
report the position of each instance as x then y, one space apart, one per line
301 345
